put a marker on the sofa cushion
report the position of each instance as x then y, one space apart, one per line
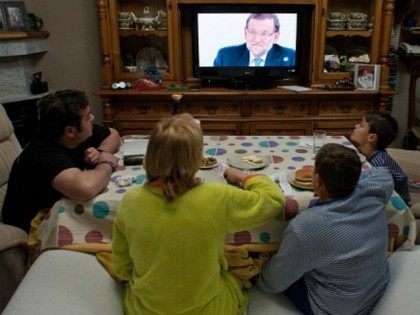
402 295
65 282
9 150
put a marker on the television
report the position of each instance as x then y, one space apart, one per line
218 26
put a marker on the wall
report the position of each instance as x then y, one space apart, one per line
73 59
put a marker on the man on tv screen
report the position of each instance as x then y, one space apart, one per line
262 31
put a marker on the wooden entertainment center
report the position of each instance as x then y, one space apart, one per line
230 111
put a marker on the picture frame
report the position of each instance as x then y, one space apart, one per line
2 20
366 76
15 15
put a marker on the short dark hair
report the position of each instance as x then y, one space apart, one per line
59 110
384 126
263 16
339 168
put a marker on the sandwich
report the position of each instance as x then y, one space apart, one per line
303 178
252 159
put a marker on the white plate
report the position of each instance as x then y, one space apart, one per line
214 164
237 162
291 179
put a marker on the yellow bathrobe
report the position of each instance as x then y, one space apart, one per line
171 253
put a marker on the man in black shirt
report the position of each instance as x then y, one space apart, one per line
70 156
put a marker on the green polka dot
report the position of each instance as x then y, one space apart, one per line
398 203
241 151
100 209
61 209
140 179
291 144
285 150
406 230
265 237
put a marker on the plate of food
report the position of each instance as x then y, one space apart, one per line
208 162
301 178
248 162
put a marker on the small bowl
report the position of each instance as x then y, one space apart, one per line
356 24
339 16
357 16
336 24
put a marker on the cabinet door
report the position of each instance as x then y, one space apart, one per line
141 37
280 128
350 33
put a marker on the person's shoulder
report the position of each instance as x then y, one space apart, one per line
283 50
232 48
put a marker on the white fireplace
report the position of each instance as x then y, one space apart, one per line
18 59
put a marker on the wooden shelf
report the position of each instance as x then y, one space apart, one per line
23 35
159 33
349 33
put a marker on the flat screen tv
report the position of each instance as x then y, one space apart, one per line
226 46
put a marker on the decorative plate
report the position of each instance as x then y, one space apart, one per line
150 56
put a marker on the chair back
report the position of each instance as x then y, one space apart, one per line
9 150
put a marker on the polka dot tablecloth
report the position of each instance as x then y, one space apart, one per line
74 222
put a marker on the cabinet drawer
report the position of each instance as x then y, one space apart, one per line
339 127
221 128
280 128
276 108
126 110
135 127
199 108
327 108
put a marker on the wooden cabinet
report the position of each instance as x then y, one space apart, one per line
350 29
222 111
228 111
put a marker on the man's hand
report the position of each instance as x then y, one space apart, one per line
91 156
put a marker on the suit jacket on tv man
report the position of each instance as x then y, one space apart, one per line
238 56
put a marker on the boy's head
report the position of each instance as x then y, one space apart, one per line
337 170
377 129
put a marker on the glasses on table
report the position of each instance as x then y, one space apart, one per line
262 35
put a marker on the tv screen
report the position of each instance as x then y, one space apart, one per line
253 45
221 30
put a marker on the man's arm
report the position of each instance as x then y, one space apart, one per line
111 143
85 185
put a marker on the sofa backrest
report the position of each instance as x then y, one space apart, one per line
9 150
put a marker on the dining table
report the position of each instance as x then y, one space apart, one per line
72 222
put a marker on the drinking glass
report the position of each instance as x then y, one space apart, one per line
319 137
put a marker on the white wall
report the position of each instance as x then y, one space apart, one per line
73 59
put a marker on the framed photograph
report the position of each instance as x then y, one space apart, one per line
15 15
366 76
2 20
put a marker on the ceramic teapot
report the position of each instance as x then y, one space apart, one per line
145 20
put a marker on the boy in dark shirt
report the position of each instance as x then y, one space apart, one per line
373 134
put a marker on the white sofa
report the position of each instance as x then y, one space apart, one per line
12 239
65 282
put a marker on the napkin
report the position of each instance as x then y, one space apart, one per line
281 179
